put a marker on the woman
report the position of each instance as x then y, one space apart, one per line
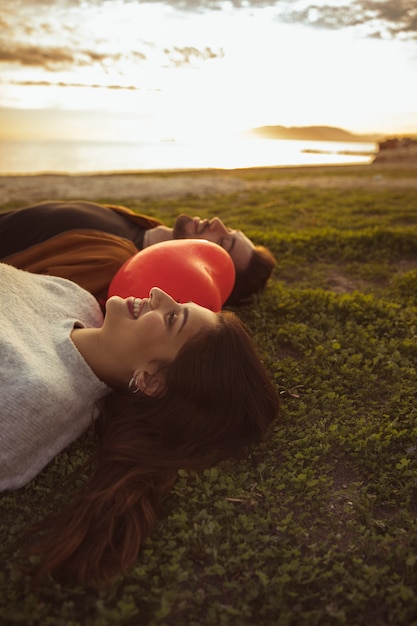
172 386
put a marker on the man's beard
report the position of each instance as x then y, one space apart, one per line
179 230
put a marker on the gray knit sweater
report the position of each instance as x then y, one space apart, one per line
47 390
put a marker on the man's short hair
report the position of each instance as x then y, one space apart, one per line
254 278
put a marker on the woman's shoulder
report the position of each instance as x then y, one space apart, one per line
46 297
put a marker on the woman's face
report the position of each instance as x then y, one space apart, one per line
139 331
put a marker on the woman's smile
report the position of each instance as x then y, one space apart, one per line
135 306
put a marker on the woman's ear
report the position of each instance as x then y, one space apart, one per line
151 384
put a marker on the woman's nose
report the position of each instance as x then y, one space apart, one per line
159 298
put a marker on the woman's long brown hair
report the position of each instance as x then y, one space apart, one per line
218 398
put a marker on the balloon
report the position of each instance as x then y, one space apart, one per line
187 269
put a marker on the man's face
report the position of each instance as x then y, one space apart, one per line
236 244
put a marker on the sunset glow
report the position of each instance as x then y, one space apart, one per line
125 70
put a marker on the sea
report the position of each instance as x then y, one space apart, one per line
34 157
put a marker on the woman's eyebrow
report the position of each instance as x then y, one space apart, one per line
184 319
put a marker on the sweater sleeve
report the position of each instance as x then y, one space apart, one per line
48 392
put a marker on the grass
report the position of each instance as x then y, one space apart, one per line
318 525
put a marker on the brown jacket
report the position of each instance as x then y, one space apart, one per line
89 258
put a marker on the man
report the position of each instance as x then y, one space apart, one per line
88 242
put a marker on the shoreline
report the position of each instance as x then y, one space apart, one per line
128 186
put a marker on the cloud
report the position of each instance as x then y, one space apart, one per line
37 20
48 58
389 18
52 58
189 55
392 17
55 59
47 83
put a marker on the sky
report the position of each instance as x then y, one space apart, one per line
155 70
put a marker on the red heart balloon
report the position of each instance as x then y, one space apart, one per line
187 269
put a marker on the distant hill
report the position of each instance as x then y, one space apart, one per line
310 133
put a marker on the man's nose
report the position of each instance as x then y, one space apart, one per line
217 225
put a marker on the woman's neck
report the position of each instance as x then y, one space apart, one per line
89 345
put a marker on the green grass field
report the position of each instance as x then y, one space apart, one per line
318 525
